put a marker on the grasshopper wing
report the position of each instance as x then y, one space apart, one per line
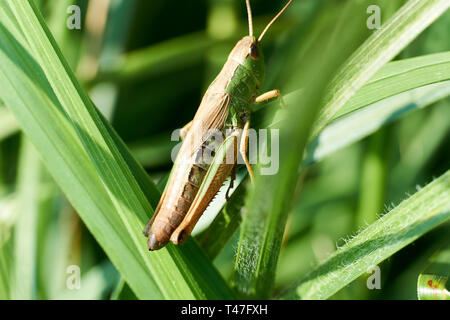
211 115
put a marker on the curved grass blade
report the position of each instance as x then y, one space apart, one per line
7 217
8 124
25 227
378 49
6 258
400 76
363 122
172 54
412 218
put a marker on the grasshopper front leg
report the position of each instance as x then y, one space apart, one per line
243 147
270 95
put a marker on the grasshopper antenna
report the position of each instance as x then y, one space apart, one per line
250 18
273 20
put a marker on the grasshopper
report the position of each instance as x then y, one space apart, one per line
225 107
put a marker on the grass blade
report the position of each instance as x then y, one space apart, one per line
379 49
363 122
7 217
8 124
391 80
77 147
25 228
400 76
415 216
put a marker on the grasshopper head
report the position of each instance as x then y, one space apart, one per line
248 53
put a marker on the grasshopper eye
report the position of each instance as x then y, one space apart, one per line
253 51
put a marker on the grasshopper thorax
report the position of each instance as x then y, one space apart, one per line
248 53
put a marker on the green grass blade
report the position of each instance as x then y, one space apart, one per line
412 218
8 211
392 79
164 57
363 122
25 228
380 48
122 291
8 124
400 76
432 283
432 133
372 188
173 54
77 147
6 258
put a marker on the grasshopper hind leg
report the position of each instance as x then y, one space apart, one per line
243 146
233 177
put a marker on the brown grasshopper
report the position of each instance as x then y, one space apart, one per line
225 107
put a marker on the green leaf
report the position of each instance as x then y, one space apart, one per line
6 258
122 291
164 57
8 124
412 218
97 174
172 54
361 123
380 48
25 228
400 76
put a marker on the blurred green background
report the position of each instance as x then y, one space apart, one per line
146 65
